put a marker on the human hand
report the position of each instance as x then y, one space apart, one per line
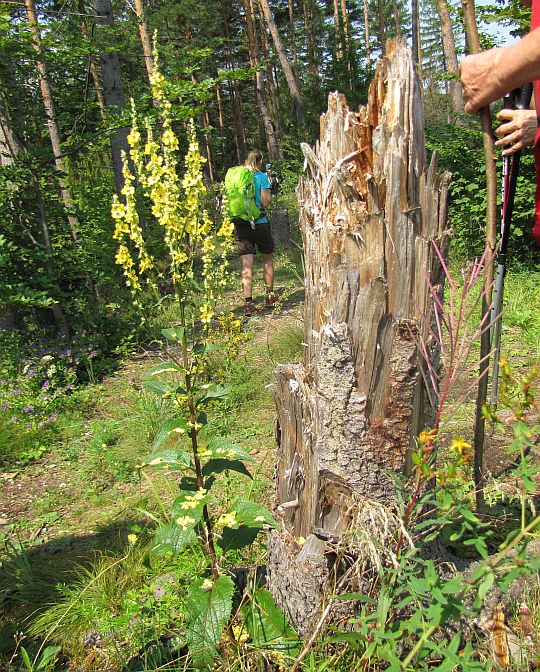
518 130
479 79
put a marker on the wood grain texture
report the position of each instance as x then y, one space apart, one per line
370 209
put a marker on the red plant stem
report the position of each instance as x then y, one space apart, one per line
491 241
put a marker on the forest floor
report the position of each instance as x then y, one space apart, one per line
83 496
88 481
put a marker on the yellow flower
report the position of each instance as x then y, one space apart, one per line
460 446
427 437
227 519
185 521
132 539
207 584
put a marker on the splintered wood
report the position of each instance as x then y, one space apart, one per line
370 212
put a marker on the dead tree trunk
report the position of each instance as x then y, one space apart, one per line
350 413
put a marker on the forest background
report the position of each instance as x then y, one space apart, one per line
250 74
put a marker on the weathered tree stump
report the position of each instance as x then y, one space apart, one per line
349 414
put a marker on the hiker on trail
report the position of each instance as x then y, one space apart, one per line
491 74
255 234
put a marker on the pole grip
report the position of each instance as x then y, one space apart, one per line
525 96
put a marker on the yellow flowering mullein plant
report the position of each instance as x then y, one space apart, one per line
197 255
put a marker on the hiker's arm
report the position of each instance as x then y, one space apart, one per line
517 130
490 74
266 196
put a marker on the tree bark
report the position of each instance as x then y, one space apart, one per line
253 48
52 125
298 103
348 43
366 33
308 31
145 38
381 27
370 210
113 90
92 64
271 88
415 34
10 145
337 31
449 49
292 34
397 24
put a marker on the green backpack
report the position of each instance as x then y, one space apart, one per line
240 191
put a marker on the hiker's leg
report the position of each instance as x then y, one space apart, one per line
268 272
247 274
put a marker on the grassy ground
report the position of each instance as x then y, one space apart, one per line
66 516
69 573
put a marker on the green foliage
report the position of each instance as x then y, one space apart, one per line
267 625
209 607
460 151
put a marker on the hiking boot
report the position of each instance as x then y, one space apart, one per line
250 309
271 300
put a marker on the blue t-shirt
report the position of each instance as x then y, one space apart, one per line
261 182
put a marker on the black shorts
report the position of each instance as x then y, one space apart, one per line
248 239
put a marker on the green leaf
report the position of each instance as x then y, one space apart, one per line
172 538
26 659
208 612
219 465
168 459
174 426
216 393
47 657
235 540
219 446
268 625
252 514
485 585
159 387
164 367
175 334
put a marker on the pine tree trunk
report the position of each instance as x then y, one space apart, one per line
366 33
113 89
10 145
414 28
145 38
292 33
449 49
271 88
92 63
397 23
260 93
337 32
308 32
348 42
52 125
298 103
381 27
350 413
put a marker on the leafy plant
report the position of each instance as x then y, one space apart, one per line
198 269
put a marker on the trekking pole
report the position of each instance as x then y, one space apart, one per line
510 175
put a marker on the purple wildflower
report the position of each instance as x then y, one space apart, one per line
15 419
53 417
46 384
5 407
